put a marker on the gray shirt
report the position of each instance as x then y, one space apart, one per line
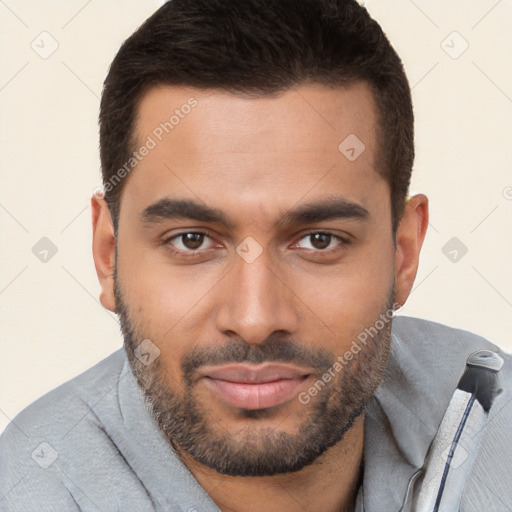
91 445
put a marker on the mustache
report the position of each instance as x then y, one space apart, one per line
276 350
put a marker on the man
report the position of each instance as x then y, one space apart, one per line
255 238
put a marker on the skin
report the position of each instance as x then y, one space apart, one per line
255 159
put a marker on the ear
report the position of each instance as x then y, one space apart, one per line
103 249
409 239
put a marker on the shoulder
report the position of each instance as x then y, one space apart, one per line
432 334
423 343
426 363
35 444
59 409
431 357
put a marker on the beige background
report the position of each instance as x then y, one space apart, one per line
51 324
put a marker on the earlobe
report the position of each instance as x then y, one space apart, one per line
103 248
409 240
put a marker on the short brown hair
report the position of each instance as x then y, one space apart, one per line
259 47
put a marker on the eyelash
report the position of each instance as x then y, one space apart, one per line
342 241
190 253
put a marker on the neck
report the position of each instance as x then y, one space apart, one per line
329 484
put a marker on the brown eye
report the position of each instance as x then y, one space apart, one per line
320 240
192 240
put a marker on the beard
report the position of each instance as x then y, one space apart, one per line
257 450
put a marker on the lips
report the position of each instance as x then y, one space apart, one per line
254 387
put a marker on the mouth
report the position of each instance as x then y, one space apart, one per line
254 387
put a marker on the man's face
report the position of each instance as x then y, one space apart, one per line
252 252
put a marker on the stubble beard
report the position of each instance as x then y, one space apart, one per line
256 450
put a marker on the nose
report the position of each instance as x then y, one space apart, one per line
255 302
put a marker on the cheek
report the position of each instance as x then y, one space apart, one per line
168 304
343 302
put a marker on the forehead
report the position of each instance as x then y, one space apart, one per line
225 148
305 118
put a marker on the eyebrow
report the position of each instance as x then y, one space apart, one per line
166 209
337 208
329 209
